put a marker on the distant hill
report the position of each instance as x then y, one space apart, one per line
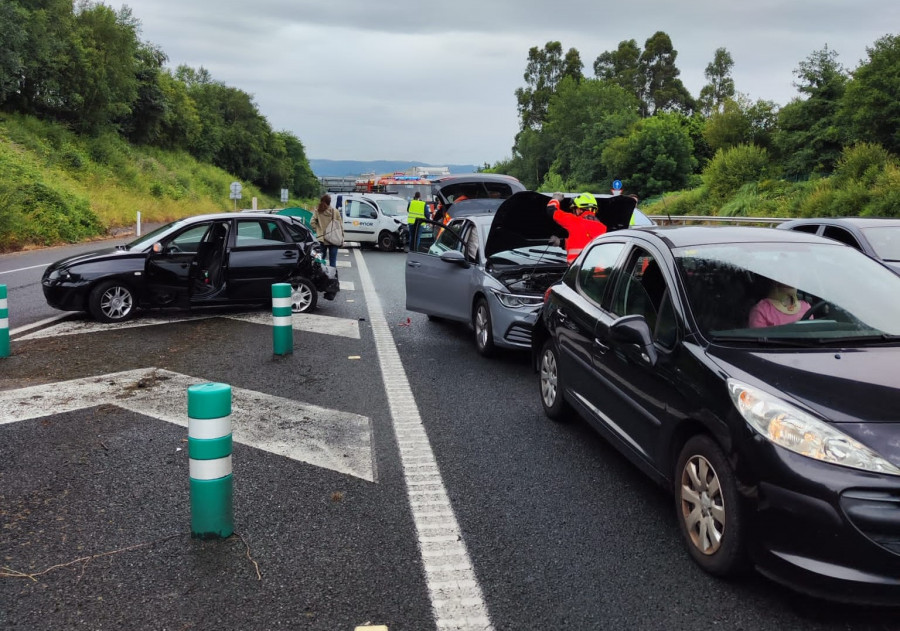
323 168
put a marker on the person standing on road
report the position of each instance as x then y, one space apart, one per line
581 223
329 227
414 210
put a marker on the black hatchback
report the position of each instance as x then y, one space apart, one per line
199 261
754 373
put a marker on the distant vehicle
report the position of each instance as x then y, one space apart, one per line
778 439
199 261
877 237
375 219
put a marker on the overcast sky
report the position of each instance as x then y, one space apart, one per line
435 81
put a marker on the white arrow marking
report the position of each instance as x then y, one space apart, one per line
308 322
326 438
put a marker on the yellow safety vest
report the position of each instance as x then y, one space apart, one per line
416 210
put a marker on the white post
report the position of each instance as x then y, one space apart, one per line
139 224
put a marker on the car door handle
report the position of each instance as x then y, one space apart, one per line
600 346
290 254
413 264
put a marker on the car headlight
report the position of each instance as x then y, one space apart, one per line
792 428
517 301
61 275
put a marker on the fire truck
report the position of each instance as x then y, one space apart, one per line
399 184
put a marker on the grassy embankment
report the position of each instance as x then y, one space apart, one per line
57 187
865 183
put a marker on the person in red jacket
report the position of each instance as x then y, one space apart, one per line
581 223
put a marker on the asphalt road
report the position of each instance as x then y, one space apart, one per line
557 531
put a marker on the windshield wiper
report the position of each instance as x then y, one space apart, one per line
765 341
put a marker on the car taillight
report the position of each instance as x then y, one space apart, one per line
547 293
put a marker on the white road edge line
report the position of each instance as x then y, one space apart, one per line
22 269
456 596
35 325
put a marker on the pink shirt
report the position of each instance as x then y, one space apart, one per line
764 313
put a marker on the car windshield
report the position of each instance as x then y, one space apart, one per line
812 293
885 240
145 241
393 207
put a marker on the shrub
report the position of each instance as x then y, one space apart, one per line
732 168
861 163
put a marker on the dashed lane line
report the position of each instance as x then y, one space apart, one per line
456 597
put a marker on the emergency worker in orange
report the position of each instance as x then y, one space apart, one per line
581 223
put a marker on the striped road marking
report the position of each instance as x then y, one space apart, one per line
326 438
456 597
309 322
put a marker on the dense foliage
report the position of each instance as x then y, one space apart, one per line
831 150
84 65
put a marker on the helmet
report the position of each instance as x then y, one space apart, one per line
586 201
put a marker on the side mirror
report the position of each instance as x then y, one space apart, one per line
633 330
455 256
373 214
157 248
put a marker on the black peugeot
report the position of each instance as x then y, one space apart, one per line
754 373
199 261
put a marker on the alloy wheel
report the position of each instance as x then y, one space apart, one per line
549 378
301 297
702 505
116 303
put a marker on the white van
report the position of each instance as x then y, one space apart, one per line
374 219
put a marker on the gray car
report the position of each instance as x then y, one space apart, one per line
489 269
877 237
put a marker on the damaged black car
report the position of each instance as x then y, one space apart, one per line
200 261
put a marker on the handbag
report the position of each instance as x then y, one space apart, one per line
334 233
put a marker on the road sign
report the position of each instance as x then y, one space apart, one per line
235 190
284 195
617 185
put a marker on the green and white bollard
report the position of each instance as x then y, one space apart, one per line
282 322
4 323
209 450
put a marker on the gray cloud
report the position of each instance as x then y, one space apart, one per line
435 82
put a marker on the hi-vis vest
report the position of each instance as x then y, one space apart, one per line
416 210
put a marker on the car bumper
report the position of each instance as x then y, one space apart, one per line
512 328
65 296
836 538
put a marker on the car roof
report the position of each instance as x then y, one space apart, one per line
858 222
685 236
476 177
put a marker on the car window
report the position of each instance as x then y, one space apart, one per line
594 275
640 288
839 234
885 240
189 240
811 228
299 233
357 209
259 232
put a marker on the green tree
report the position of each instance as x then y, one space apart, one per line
545 68
663 90
14 36
581 118
144 122
870 107
622 66
303 183
720 86
180 126
656 157
809 139
732 168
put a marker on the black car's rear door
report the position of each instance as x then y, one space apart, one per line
261 254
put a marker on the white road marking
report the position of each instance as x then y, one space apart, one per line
347 285
22 269
344 263
39 323
331 439
456 596
309 322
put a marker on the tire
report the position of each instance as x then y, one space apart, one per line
112 301
552 399
303 296
484 335
387 242
708 508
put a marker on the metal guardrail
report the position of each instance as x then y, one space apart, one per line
706 219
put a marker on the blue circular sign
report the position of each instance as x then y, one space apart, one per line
617 185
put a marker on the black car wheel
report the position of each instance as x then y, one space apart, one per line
481 321
303 296
387 241
709 513
555 406
111 301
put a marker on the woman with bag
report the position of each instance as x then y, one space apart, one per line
329 227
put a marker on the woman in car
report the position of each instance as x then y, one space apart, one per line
781 306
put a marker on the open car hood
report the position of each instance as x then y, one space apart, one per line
522 220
